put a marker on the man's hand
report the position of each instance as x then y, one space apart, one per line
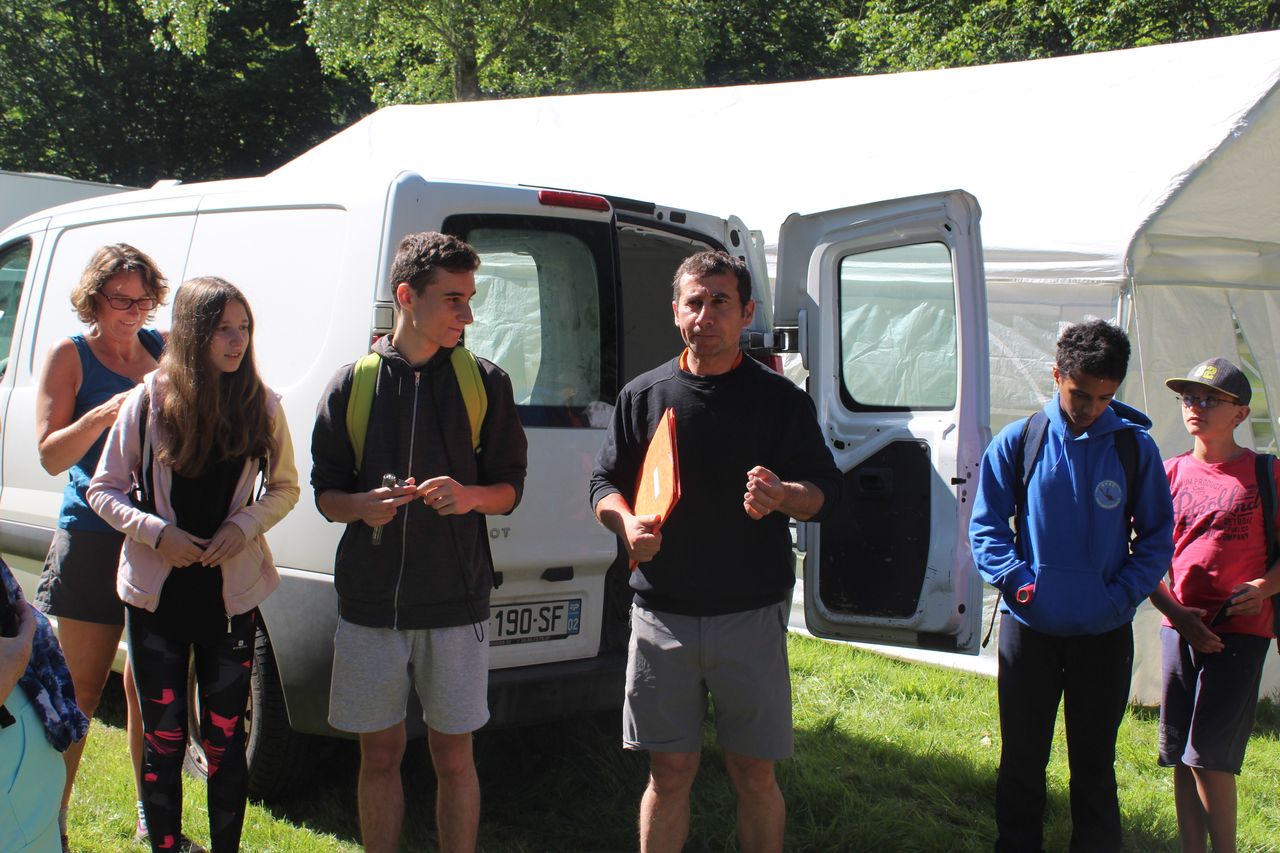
447 496
228 541
638 533
765 493
179 547
1189 622
642 537
377 507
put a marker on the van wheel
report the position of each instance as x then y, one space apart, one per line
278 756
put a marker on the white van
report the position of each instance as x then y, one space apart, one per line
885 304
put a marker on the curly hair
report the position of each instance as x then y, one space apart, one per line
708 263
1094 348
419 256
107 263
207 415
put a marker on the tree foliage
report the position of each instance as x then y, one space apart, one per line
441 50
415 51
132 90
908 35
84 93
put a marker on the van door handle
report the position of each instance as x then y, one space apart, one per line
558 573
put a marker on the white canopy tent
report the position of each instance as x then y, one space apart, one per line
1139 185
1149 174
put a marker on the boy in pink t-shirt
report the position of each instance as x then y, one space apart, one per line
1217 607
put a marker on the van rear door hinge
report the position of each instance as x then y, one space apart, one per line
781 340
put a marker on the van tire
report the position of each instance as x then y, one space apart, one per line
278 757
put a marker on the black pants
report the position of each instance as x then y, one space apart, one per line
223 663
1092 672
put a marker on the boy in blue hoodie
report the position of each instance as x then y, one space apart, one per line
1071 580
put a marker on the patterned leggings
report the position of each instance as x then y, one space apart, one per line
223 663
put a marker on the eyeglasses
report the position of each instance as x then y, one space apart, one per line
1191 400
124 303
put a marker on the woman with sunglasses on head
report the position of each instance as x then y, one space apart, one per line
84 381
1217 604
194 439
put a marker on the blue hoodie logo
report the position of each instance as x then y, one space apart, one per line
1108 494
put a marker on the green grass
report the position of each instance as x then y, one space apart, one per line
890 756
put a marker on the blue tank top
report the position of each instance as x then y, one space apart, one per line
97 385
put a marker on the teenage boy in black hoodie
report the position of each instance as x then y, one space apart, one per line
413 580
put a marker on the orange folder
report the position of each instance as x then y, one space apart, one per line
658 487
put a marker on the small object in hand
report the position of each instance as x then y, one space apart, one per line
389 481
1221 616
1025 593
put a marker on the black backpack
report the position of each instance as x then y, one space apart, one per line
1027 454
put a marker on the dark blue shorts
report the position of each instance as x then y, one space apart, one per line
1208 702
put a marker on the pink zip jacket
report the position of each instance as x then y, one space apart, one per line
248 577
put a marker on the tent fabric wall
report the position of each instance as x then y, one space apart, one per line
1175 328
1259 315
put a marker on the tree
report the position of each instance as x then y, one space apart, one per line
87 95
908 35
456 50
768 41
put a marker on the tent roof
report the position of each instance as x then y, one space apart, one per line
1069 157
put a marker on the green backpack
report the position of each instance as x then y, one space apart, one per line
364 382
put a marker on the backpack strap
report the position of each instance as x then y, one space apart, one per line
364 383
467 370
1025 455
143 478
1264 471
1126 444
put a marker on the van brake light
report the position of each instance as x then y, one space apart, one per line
560 198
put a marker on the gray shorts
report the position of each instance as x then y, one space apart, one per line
373 668
79 577
740 659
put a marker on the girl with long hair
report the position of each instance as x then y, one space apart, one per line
85 379
179 479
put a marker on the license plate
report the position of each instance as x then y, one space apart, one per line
535 621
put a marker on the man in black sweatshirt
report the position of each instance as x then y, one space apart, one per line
713 583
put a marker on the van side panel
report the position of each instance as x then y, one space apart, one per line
31 497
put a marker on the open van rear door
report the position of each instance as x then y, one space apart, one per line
888 306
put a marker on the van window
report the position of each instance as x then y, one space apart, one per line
14 260
648 259
898 329
544 312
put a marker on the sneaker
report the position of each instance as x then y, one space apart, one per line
185 845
